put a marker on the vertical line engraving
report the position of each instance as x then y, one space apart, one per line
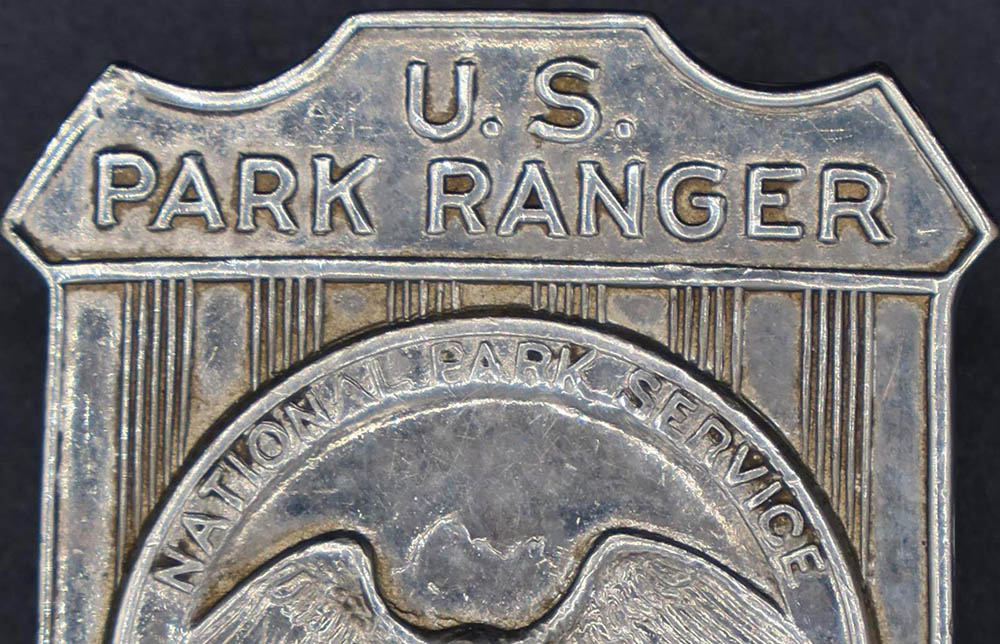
688 343
673 321
737 351
318 313
123 535
439 296
186 356
286 323
300 320
267 308
866 427
822 327
837 374
170 455
704 299
720 312
390 300
154 434
139 500
806 344
836 403
255 287
850 474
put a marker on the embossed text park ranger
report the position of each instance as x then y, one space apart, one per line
497 328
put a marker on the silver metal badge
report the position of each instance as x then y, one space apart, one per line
497 328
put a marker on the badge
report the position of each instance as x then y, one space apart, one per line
497 328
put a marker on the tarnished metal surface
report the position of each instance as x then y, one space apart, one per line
497 328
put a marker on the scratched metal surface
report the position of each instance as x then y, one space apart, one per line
497 327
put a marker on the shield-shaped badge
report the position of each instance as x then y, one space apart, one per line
497 327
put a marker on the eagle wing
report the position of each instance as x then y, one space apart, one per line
641 591
320 595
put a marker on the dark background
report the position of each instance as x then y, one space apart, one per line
944 54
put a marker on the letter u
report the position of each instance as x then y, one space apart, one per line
416 81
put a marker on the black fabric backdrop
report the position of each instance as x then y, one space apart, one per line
944 54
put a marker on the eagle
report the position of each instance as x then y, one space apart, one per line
630 589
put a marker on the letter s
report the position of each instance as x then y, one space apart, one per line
584 104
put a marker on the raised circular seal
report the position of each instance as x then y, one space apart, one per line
497 479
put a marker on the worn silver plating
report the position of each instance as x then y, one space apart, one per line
497 327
